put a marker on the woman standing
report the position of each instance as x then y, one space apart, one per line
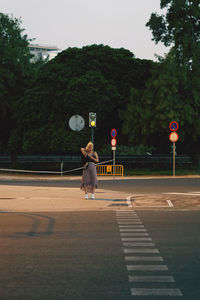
89 177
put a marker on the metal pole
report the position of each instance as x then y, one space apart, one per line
61 168
174 158
113 164
92 135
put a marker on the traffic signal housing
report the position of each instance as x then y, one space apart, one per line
92 119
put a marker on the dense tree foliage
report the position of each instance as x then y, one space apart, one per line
173 91
14 75
137 97
167 97
180 27
94 78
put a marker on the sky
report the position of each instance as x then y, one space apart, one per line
77 23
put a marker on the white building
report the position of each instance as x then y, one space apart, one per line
43 52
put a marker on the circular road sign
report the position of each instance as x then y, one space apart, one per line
173 137
113 142
113 133
173 126
76 123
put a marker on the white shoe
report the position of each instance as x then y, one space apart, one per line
86 196
92 197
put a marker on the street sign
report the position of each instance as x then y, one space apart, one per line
173 126
76 123
113 133
113 142
114 148
173 137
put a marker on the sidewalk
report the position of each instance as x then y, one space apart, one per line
15 198
37 199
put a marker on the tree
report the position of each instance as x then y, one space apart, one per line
94 78
180 27
15 70
167 97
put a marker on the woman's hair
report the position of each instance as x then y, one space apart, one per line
90 143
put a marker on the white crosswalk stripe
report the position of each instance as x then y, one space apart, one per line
138 244
134 234
145 265
143 258
155 292
151 278
131 239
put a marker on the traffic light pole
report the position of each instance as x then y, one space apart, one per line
92 135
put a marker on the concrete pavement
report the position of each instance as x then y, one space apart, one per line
36 199
39 198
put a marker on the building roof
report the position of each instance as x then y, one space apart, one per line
44 47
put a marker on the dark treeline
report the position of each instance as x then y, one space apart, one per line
137 97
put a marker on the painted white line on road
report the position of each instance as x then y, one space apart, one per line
151 278
136 244
128 214
129 220
128 251
184 194
131 229
131 226
155 292
125 212
170 203
130 223
147 268
133 234
131 239
143 258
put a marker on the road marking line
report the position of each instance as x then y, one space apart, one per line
143 258
126 212
130 223
131 229
128 251
128 218
131 239
136 244
133 234
129 214
184 194
150 278
170 203
147 268
132 226
155 292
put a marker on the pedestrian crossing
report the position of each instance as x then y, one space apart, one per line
148 275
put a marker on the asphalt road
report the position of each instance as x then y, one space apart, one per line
81 255
139 185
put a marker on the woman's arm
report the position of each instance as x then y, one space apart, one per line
83 151
96 158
